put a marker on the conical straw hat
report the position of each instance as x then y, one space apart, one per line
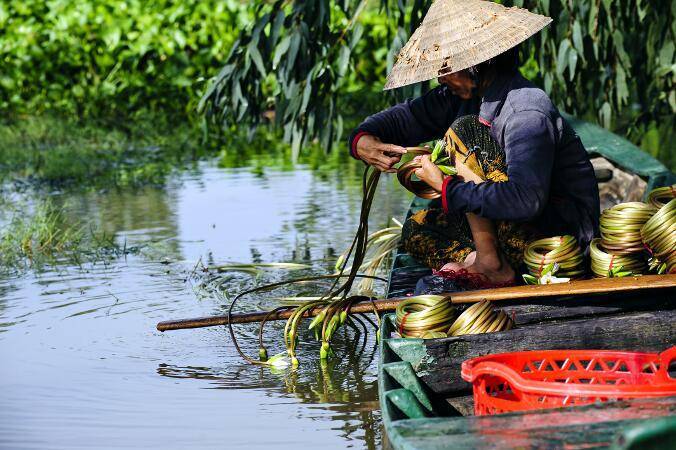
457 34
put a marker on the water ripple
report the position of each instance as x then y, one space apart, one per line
83 363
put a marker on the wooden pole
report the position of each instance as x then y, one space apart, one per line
575 288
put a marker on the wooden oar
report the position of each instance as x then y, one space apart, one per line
574 288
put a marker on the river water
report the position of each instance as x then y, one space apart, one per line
82 366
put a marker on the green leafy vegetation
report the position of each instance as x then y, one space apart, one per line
308 63
32 239
609 61
312 69
112 58
613 62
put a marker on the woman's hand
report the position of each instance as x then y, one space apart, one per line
429 173
377 154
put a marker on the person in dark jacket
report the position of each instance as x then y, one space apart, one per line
548 183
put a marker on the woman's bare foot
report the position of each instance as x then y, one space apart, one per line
455 266
495 269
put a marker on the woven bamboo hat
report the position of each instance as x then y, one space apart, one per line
457 34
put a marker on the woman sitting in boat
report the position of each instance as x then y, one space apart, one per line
522 172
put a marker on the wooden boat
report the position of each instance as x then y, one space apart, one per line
425 403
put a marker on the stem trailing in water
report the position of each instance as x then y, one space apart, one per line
335 302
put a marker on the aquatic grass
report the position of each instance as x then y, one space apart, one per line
43 236
63 151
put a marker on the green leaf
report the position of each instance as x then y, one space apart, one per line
605 115
343 59
593 18
577 39
666 55
355 37
281 49
547 269
572 63
642 10
293 50
438 146
448 170
621 89
562 57
179 37
549 80
257 59
306 96
529 279
618 40
277 25
608 5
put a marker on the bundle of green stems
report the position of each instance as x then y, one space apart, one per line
561 251
480 318
620 250
621 227
659 197
433 316
335 303
609 264
424 316
659 236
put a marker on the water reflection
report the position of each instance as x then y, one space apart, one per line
82 363
345 386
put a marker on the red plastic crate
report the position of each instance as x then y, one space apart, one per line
554 378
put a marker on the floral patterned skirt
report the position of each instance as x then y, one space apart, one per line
435 238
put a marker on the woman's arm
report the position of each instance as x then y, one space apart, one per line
411 122
530 142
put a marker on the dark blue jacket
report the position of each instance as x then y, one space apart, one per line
551 181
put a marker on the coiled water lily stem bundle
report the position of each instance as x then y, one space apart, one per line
607 264
621 227
480 318
659 236
424 316
280 359
407 170
661 196
620 250
561 251
433 316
